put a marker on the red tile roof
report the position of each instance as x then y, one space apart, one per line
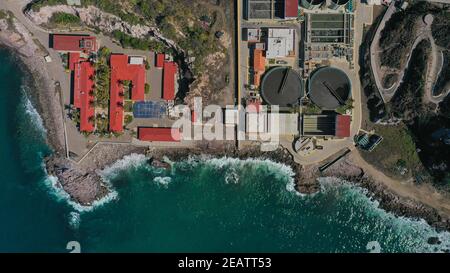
290 8
65 42
160 60
86 86
159 134
121 70
259 66
118 64
74 57
343 125
170 70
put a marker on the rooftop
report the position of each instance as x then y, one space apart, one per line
280 42
159 134
73 42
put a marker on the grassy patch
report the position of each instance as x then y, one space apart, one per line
64 19
37 5
396 153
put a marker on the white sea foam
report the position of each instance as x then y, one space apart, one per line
402 225
132 161
74 219
62 196
163 180
277 168
35 118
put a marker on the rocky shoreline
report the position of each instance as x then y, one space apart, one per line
84 184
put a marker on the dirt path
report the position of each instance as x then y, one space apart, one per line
424 194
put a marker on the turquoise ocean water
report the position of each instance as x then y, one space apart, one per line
201 205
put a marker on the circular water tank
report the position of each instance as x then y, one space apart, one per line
281 86
329 87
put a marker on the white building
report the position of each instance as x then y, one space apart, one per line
272 123
136 60
280 43
373 2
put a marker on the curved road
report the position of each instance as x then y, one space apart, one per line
433 66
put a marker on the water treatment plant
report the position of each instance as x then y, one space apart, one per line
329 88
282 86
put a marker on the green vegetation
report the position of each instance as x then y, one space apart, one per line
128 106
8 15
36 6
347 106
102 77
128 119
440 29
64 19
311 109
102 123
147 88
3 14
146 64
74 115
128 41
126 89
399 34
444 107
407 101
397 153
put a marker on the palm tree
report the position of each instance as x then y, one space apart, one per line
91 120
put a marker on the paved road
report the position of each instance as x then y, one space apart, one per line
434 65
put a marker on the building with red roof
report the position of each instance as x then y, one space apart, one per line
159 62
169 75
122 70
343 125
290 9
331 125
83 86
68 42
159 134
259 66
74 57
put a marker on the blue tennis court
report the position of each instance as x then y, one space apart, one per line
149 109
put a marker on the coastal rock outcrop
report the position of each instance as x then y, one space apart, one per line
82 186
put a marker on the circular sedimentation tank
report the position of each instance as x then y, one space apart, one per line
281 86
329 87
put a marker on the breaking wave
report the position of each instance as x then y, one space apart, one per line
163 180
62 196
129 162
399 228
74 220
28 108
